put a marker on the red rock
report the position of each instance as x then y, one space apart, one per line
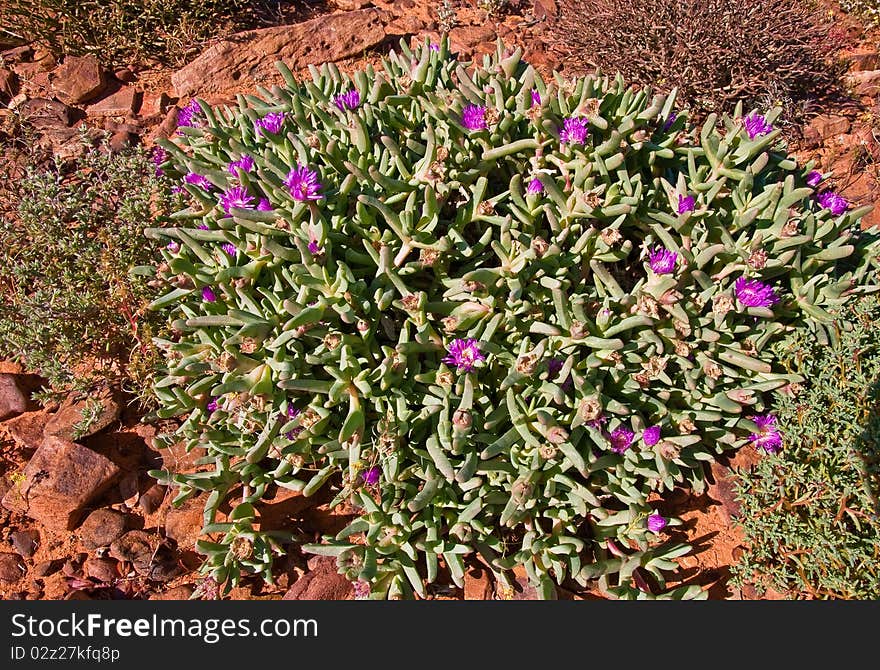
78 79
152 104
17 54
247 59
13 401
101 528
351 5
11 568
863 59
184 524
866 83
125 75
121 140
104 570
827 126
8 84
477 584
120 103
544 9
43 114
321 582
25 542
182 592
27 429
70 423
61 478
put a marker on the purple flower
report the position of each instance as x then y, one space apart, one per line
292 413
371 477
834 202
263 205
433 46
348 100
756 125
473 117
212 405
598 422
656 523
173 247
313 247
158 157
536 97
686 203
554 365
574 130
814 178
464 353
621 439
662 261
237 197
208 294
202 226
229 249
669 121
651 435
177 188
199 180
767 437
303 183
245 163
535 186
755 293
272 123
189 115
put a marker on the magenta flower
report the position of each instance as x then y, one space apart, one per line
651 435
348 100
199 180
371 477
212 405
313 247
189 115
535 186
208 294
669 121
536 97
756 125
464 353
202 226
834 202
158 157
173 247
767 437
236 197
814 178
303 183
574 130
229 249
433 46
686 203
292 413
272 123
662 261
263 205
245 164
621 439
177 188
755 293
656 523
473 117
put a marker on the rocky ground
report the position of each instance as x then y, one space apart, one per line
80 516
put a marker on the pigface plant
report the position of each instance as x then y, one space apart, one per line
492 314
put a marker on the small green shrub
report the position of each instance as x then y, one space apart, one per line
122 32
810 513
69 309
492 312
716 53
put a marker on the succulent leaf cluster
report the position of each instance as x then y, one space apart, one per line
493 313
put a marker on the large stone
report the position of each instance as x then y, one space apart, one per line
78 79
865 82
247 59
321 582
184 524
101 528
827 126
45 114
27 429
60 480
82 416
121 103
11 568
12 398
25 542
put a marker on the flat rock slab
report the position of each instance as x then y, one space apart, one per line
248 59
78 79
120 103
75 419
12 398
61 478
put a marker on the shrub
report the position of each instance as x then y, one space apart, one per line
716 53
122 32
494 313
810 513
867 10
69 309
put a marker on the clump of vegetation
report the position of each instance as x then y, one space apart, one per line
492 312
714 52
867 10
810 514
69 308
122 32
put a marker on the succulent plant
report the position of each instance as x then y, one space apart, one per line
494 313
